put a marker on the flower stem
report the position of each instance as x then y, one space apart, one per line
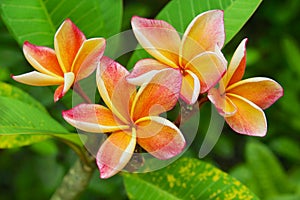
79 175
78 90
74 182
187 111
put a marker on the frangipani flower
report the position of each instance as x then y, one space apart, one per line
131 117
73 58
197 55
241 102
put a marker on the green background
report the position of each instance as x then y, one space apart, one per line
269 166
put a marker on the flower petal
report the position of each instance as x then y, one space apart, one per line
58 94
115 153
43 59
93 118
159 137
67 42
88 57
203 34
158 38
223 104
209 68
68 81
62 90
157 96
261 91
38 79
115 91
144 70
237 66
249 119
190 87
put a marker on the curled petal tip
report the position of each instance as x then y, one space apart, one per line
68 20
105 171
135 17
59 93
56 99
66 113
26 42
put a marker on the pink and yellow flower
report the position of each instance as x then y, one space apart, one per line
196 56
131 117
241 102
74 57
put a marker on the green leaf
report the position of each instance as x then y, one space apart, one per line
19 140
179 13
13 92
46 148
267 170
187 178
37 20
13 141
23 124
286 197
112 12
244 174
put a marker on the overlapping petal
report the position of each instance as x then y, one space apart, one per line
261 91
223 103
115 91
115 152
93 118
249 119
69 78
190 87
203 34
43 59
144 70
62 89
88 57
67 42
159 137
38 79
237 65
158 38
59 93
157 96
209 68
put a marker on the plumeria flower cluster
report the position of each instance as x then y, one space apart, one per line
181 68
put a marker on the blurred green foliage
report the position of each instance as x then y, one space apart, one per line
270 166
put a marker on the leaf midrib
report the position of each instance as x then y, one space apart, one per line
47 15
